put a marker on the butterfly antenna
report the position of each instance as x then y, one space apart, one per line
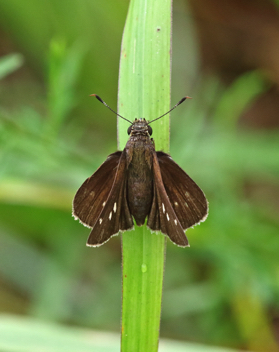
101 100
180 102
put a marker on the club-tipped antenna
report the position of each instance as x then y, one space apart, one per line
180 102
101 100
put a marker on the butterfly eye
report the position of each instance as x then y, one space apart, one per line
149 129
129 130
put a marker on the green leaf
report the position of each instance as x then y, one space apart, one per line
144 91
9 64
64 68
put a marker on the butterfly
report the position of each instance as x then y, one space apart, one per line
136 184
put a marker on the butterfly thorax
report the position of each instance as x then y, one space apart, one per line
139 152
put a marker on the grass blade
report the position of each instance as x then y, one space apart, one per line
144 91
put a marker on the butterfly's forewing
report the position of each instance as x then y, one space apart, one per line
115 215
186 198
162 216
93 193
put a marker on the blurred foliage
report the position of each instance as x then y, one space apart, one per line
10 63
31 332
223 290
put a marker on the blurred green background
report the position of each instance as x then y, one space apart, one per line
224 289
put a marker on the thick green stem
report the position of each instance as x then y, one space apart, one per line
144 91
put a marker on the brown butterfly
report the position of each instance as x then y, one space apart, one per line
139 183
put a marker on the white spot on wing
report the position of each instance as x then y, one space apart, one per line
110 215
104 204
175 203
163 206
168 217
175 221
187 205
114 207
100 220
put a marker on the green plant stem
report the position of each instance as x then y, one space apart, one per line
144 91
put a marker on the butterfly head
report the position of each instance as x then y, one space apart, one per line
140 126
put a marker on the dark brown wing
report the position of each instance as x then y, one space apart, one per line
100 194
115 215
186 198
162 216
93 193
